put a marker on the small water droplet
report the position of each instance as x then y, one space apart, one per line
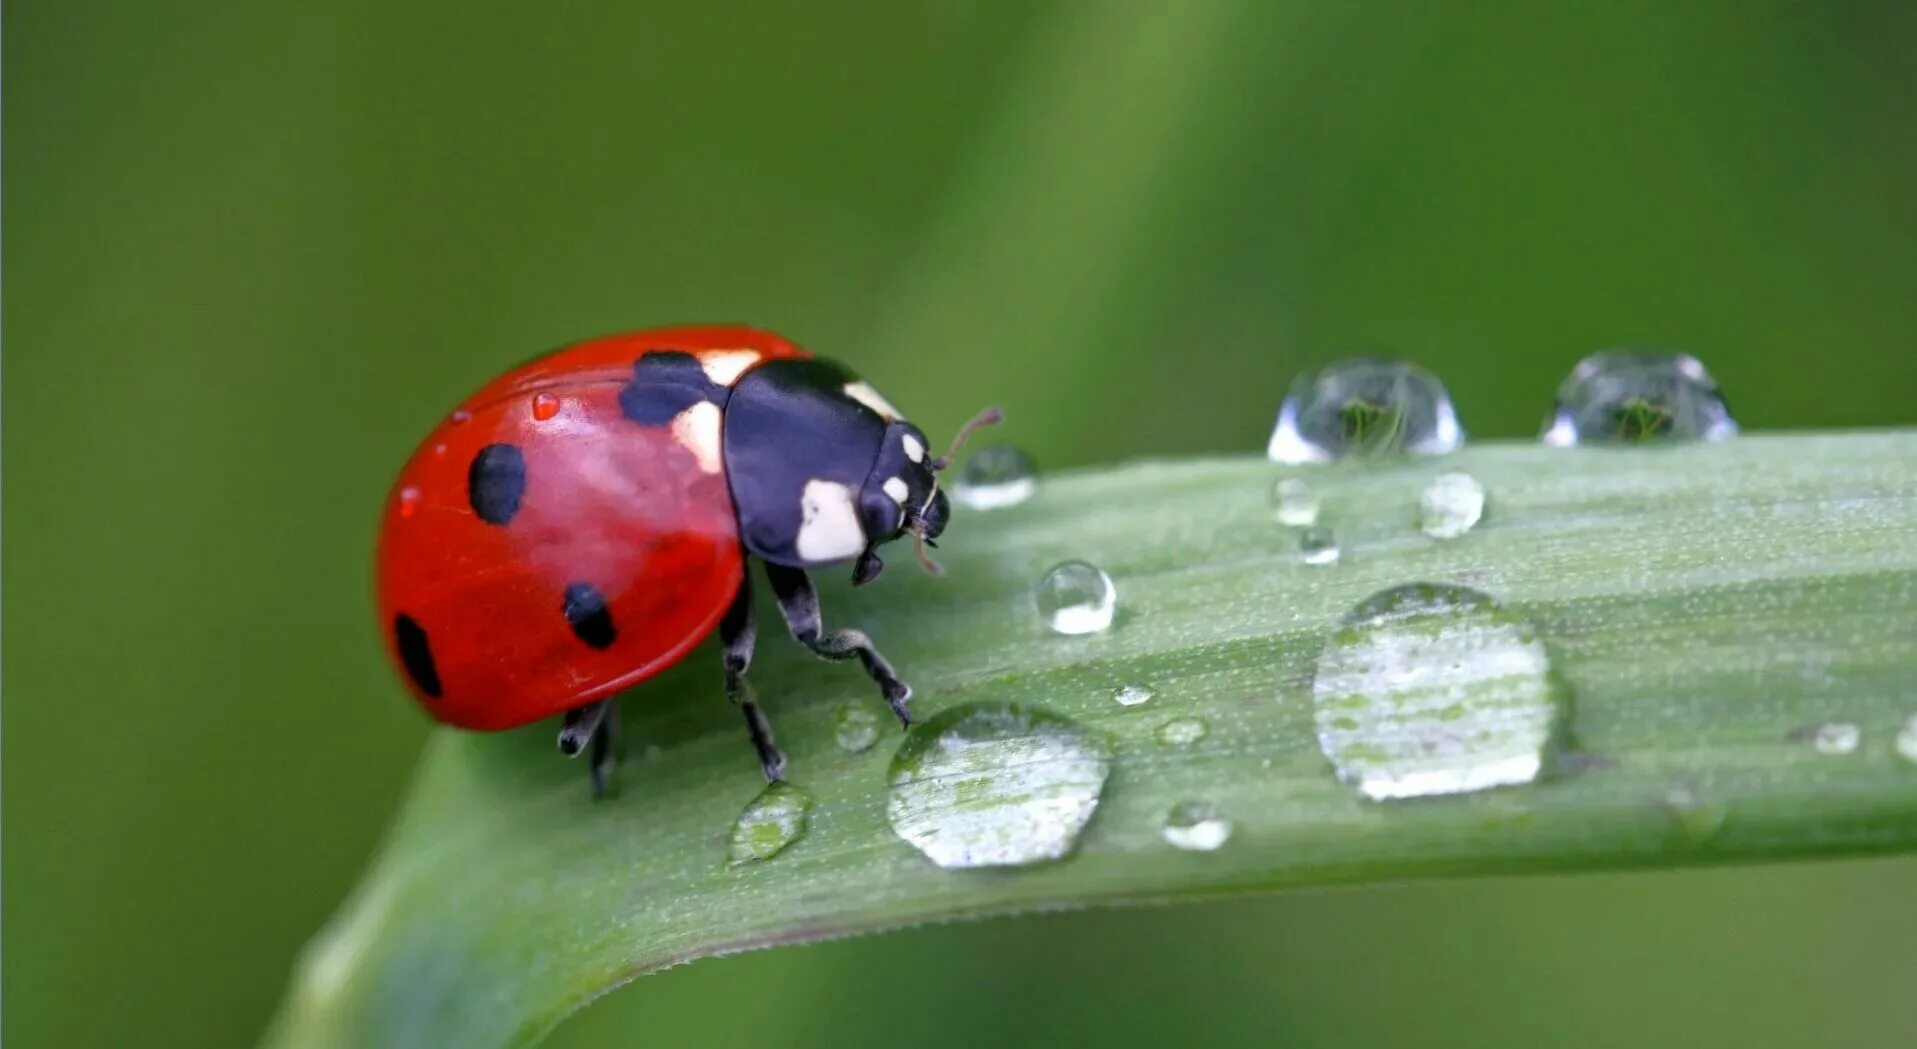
994 477
1076 598
1433 689
1698 819
1907 739
439 451
544 406
1319 546
855 727
1133 695
408 500
1631 397
1196 826
1179 732
1450 505
1835 738
1293 503
461 415
1364 407
772 821
995 785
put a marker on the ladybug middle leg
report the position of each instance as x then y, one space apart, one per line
737 634
597 725
799 603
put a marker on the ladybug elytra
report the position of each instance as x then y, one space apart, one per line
581 522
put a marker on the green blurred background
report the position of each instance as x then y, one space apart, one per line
252 250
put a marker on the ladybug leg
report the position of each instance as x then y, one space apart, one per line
799 603
595 725
737 634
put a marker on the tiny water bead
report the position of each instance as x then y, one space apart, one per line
1319 546
1907 739
408 500
1179 732
1697 819
1133 695
1196 826
994 477
1076 598
1634 397
1364 407
772 821
1450 505
855 727
1432 689
1293 503
996 785
544 406
1835 738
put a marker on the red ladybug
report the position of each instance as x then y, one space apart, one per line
584 520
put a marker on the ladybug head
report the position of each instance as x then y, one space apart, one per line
902 494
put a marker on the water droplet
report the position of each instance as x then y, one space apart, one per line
995 785
1450 505
1179 732
439 451
1364 407
1293 503
408 500
1835 738
1133 695
1319 546
856 728
1434 689
772 821
1197 826
1630 397
1699 820
1076 598
1907 739
461 415
544 406
994 477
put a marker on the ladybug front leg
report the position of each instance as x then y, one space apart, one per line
597 723
799 603
737 634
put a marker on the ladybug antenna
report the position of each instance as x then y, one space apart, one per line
988 417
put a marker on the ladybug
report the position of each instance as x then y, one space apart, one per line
584 520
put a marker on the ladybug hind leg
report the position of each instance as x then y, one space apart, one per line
799 602
737 634
594 726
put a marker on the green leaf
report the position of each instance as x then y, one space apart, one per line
1720 617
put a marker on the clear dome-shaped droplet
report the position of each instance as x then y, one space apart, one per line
772 821
1433 689
1133 695
1293 503
1364 407
1319 546
855 727
1179 732
1634 397
996 785
1196 826
1076 598
995 476
1450 505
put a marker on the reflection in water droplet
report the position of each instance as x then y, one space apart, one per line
1364 407
772 821
995 476
1319 546
1433 689
1293 503
1181 731
855 727
997 784
1197 826
1133 695
544 406
1450 505
1697 819
1631 397
1907 739
408 500
1835 738
1076 598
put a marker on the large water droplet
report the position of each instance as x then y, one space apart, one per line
772 821
1907 739
1180 732
1628 396
1364 407
1133 695
995 476
1450 505
1319 546
1434 689
1197 826
1293 503
1076 598
855 727
995 785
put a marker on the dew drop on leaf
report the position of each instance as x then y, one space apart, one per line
1179 732
1076 598
768 824
855 727
994 477
1196 826
1364 407
1319 546
1293 503
1450 505
1636 397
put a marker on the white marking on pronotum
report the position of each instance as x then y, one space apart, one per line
863 393
914 450
897 489
828 523
697 431
725 366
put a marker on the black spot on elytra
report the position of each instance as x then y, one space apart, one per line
665 383
415 654
585 609
496 482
